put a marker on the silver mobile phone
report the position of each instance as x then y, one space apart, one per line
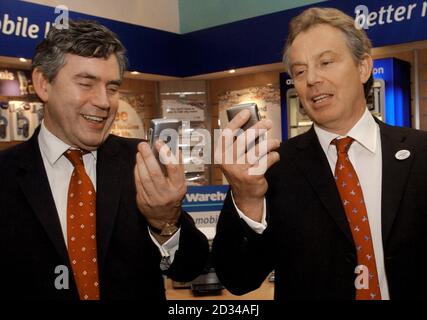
252 107
167 131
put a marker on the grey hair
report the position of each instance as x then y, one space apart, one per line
84 38
357 40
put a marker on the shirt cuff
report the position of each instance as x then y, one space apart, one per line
167 249
258 227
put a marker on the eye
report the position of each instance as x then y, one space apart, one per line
113 90
85 85
326 62
299 72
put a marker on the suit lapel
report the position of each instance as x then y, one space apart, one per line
35 185
108 183
394 174
315 166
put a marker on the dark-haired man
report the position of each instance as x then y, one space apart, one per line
78 201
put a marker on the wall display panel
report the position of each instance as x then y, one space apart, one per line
128 122
5 117
187 101
21 112
15 82
184 109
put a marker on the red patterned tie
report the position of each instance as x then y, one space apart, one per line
355 209
81 228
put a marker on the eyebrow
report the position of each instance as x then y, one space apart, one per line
85 75
299 63
325 52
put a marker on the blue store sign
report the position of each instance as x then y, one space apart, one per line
249 42
204 204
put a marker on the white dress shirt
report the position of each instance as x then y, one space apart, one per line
59 170
366 156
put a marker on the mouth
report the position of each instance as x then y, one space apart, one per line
95 120
321 99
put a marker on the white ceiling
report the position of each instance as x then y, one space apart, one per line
157 14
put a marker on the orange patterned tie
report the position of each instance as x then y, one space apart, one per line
355 209
81 228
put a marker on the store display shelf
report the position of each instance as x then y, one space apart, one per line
19 98
7 144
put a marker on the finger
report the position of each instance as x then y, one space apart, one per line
272 158
174 169
258 151
229 132
139 187
258 129
146 183
248 140
153 169
223 146
176 172
165 154
146 177
264 164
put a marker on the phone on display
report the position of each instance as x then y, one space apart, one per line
252 107
166 130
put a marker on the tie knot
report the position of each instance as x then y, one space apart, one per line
343 144
75 156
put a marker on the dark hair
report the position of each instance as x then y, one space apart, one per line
82 37
357 40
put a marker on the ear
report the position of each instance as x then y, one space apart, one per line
41 84
365 68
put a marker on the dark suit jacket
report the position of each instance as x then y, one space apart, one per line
32 243
308 240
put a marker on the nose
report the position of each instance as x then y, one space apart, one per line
313 76
100 98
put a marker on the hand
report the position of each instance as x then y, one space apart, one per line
158 196
245 172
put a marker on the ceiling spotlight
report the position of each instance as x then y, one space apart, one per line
232 71
22 59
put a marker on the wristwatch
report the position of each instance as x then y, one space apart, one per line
167 230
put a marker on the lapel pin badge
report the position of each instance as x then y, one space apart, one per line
403 154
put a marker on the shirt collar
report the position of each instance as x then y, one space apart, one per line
53 147
364 132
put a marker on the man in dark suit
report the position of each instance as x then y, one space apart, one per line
85 214
341 211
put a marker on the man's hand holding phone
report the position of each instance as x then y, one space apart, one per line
247 184
159 195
